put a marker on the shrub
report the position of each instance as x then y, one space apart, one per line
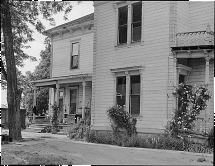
79 131
54 120
160 141
120 119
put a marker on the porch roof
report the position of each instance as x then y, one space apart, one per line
51 82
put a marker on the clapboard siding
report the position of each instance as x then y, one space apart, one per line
201 13
182 16
155 61
61 55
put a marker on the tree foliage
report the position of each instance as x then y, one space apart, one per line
15 32
42 71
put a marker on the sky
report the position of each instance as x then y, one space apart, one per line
78 10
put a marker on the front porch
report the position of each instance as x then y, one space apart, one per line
193 63
72 95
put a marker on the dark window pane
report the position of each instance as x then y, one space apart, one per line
135 84
74 63
121 90
122 34
181 78
121 100
137 12
135 104
136 32
123 15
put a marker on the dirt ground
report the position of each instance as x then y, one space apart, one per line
46 148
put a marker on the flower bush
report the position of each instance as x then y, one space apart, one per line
192 101
121 119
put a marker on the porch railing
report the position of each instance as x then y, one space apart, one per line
197 38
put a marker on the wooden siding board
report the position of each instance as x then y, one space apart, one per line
61 56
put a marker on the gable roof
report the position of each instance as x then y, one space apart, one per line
78 21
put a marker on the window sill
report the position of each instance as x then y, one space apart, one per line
74 68
138 117
128 45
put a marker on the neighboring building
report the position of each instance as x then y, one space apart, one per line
4 116
132 54
142 50
71 66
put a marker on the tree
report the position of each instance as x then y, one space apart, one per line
15 17
42 71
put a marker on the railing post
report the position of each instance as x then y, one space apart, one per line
83 99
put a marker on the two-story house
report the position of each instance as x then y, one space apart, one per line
134 54
71 67
142 51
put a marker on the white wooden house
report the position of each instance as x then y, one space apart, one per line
133 53
71 67
142 49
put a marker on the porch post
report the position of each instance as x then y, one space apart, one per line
207 60
83 99
175 72
57 94
127 91
34 103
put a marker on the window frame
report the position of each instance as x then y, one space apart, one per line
71 55
128 72
119 4
132 41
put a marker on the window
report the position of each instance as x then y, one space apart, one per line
74 55
121 90
136 22
123 22
133 95
129 28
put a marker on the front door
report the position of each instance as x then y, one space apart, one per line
61 110
73 101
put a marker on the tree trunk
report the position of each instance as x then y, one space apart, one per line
13 94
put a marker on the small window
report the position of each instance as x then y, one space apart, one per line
61 94
74 55
136 21
122 27
135 95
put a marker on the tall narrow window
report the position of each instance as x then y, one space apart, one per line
121 90
122 27
135 95
136 21
74 55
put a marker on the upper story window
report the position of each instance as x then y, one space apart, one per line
136 22
74 55
129 23
123 24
